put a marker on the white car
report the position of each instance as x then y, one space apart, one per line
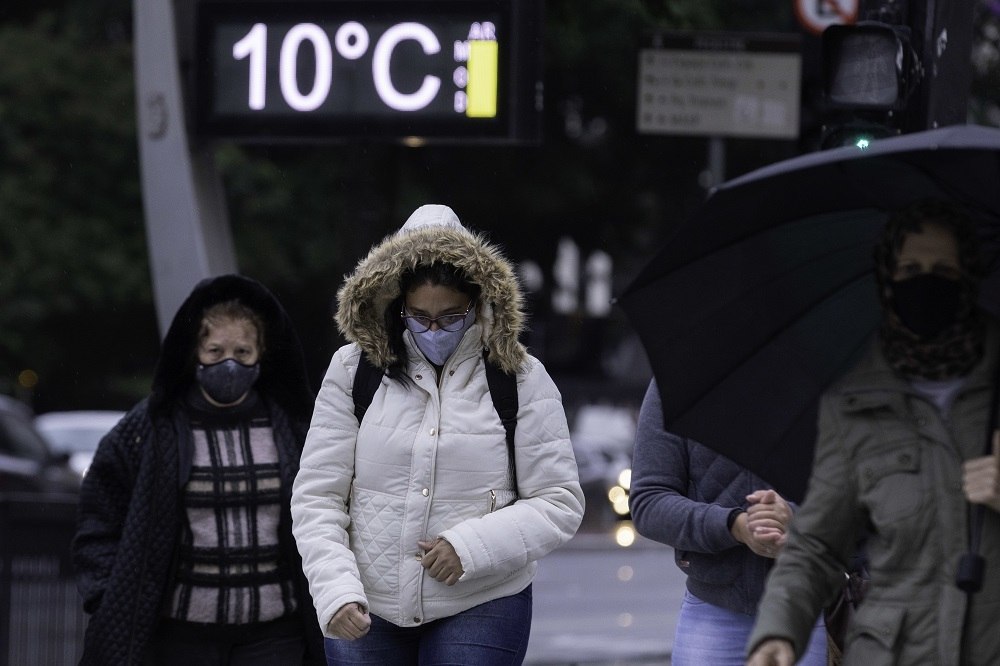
27 462
77 433
603 437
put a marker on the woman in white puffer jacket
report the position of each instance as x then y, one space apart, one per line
416 547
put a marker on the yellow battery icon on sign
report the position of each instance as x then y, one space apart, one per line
482 86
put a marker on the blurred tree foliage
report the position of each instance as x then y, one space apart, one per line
75 295
74 278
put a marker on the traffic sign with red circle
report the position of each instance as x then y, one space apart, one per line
817 15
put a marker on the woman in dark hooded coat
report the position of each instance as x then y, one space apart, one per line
183 551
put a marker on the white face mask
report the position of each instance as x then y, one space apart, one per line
439 345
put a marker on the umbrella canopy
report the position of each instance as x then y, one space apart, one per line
767 294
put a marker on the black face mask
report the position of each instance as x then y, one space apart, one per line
927 304
227 381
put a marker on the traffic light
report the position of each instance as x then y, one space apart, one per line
870 74
869 66
855 132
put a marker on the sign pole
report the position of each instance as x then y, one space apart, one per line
944 28
187 230
716 161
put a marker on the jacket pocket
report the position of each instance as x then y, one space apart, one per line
874 634
500 498
715 569
375 531
891 485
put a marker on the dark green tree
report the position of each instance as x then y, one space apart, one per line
74 278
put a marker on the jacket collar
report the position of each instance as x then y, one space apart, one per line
873 384
470 345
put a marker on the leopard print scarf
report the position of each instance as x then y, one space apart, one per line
957 349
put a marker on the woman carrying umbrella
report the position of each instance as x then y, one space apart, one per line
899 455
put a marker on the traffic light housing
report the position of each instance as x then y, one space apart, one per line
869 66
870 74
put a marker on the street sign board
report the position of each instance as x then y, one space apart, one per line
375 69
720 84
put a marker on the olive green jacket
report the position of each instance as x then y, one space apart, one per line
888 460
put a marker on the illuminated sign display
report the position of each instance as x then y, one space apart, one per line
375 69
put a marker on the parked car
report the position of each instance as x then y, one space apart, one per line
27 462
77 433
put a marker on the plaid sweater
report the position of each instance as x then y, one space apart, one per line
229 568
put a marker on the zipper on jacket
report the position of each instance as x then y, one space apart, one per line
493 500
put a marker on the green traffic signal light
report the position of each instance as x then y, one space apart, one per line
863 142
856 133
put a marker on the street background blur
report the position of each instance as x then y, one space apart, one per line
579 212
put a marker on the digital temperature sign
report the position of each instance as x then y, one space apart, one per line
372 69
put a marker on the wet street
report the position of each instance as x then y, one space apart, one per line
598 603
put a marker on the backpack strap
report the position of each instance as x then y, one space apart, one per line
367 379
503 391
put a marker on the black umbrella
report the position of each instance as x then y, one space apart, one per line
766 295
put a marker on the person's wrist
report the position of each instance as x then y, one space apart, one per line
734 524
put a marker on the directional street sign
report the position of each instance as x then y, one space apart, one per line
720 84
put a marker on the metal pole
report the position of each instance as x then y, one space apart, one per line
946 49
714 173
187 229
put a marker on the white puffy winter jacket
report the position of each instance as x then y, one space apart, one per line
430 460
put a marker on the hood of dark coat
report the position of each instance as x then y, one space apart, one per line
365 294
282 366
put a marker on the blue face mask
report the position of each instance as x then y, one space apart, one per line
439 345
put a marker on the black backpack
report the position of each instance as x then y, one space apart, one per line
503 391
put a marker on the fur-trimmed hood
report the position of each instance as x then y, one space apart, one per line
433 233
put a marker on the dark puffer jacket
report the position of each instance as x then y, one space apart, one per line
130 509
682 495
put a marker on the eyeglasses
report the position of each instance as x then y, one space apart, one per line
445 322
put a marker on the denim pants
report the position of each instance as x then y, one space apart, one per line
708 634
491 634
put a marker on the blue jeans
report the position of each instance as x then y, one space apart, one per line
491 634
707 634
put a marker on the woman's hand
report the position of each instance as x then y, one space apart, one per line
441 561
764 545
764 526
768 511
981 478
351 622
772 652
